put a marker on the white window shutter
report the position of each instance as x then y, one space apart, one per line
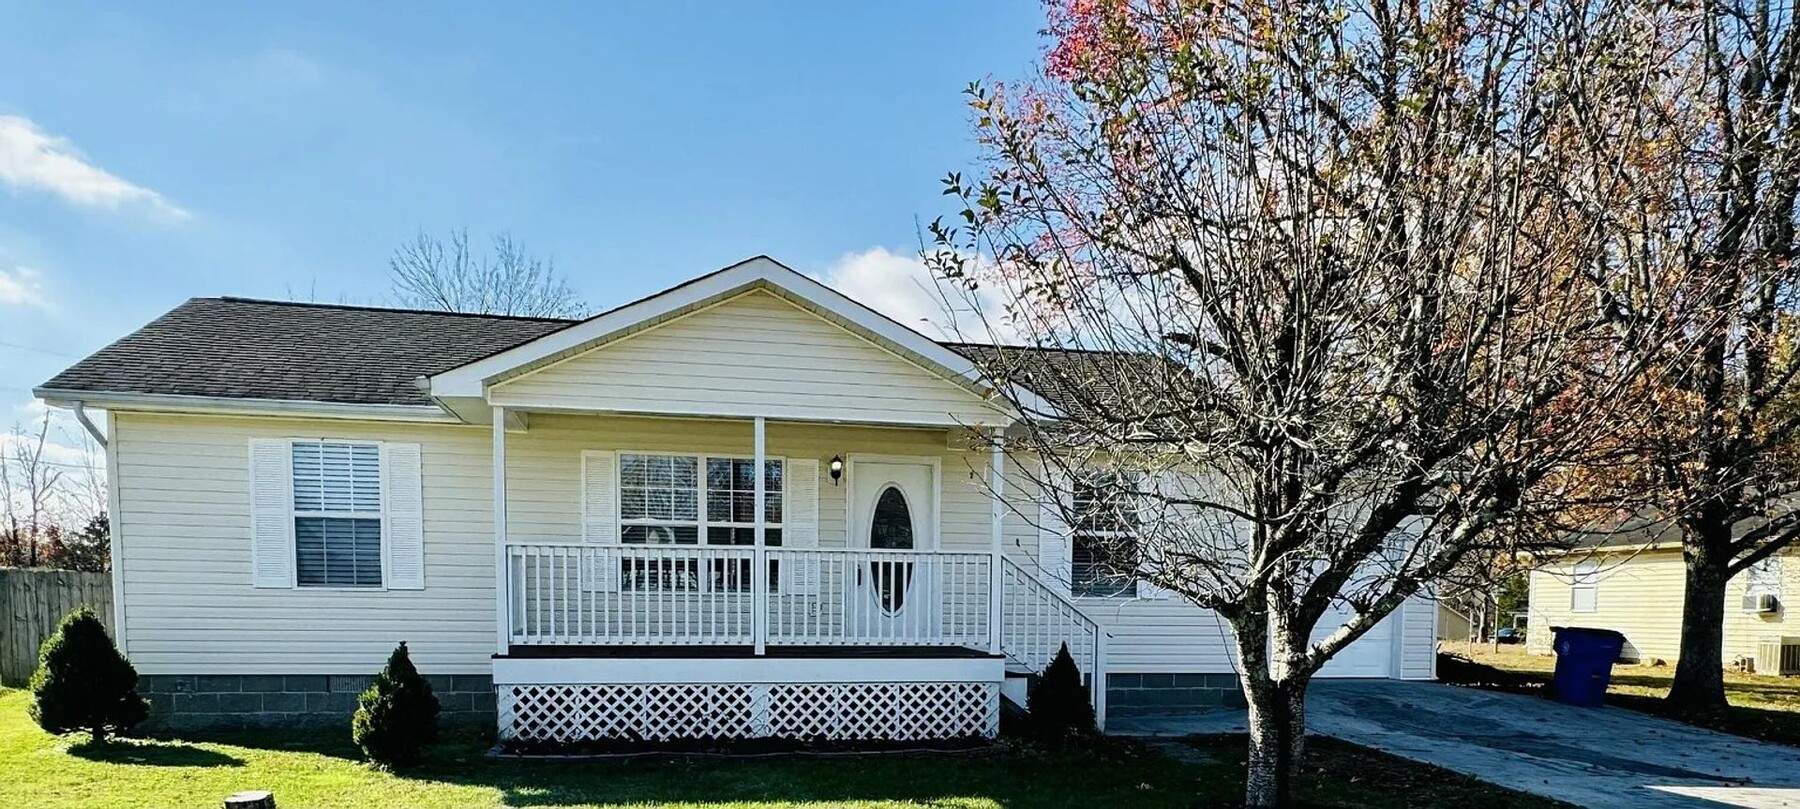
271 514
800 526
402 472
1167 486
1054 550
600 516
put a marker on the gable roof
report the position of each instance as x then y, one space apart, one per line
283 352
759 273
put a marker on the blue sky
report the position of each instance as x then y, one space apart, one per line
152 154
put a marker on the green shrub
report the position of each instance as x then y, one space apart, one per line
83 683
1058 704
397 716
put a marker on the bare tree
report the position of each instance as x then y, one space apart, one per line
1311 289
432 273
82 492
30 483
1715 171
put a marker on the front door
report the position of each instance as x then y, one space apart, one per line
893 510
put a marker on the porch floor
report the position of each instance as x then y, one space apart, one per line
566 652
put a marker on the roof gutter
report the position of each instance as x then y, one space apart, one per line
227 406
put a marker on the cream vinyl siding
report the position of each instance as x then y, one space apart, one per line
1637 594
754 354
184 514
1641 595
1744 630
1172 636
544 468
184 522
184 519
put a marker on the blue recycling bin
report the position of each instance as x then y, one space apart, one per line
1584 661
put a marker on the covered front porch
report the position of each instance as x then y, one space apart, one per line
748 507
643 596
865 547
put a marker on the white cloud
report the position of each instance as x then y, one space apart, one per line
22 286
902 287
33 159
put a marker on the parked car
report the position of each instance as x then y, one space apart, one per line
1509 634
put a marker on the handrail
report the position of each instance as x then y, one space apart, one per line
1039 619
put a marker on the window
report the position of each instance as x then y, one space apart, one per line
660 499
337 513
1584 589
731 502
1764 578
1104 552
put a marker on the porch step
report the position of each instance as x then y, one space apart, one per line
1016 686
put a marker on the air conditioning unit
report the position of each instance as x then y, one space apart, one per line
1765 603
1778 656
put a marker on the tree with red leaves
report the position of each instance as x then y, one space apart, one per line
1324 285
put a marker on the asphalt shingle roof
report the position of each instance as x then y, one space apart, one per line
250 349
239 348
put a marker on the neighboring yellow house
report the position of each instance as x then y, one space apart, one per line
1632 583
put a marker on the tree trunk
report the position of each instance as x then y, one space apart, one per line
1700 672
256 799
1277 741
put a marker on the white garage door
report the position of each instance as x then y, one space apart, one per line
1372 655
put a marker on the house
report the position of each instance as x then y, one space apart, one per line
1632 580
566 522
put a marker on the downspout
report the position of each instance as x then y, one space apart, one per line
88 424
115 537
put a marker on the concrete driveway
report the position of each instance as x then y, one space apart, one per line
1602 757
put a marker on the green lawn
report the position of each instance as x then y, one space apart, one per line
1762 706
320 770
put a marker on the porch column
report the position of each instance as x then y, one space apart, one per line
996 525
502 577
759 566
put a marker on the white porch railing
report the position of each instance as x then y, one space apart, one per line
697 595
572 593
1038 620
880 598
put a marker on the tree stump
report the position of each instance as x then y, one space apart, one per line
253 799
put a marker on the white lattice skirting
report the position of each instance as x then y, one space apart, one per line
664 711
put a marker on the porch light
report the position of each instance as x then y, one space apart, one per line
837 469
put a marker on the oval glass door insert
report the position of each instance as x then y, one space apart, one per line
891 528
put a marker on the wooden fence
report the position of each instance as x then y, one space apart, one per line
32 602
